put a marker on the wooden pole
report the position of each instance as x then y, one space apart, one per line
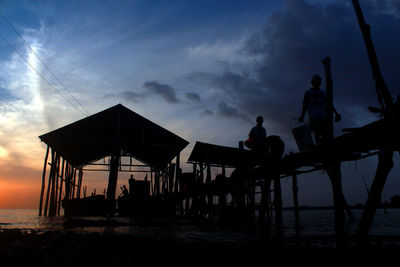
295 190
80 177
112 180
54 189
61 186
278 203
177 172
52 167
74 184
43 180
390 115
333 165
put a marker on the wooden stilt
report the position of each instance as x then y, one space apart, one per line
61 187
334 174
177 172
57 178
52 168
295 191
208 186
74 183
80 177
112 180
43 181
50 192
385 164
278 203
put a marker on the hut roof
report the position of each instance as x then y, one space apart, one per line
118 127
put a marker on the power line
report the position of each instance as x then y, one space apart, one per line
44 78
43 63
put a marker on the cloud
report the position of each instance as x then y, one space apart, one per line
163 90
207 112
231 112
194 97
133 96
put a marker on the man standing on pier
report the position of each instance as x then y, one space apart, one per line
315 103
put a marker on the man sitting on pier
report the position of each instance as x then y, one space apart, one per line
257 138
315 103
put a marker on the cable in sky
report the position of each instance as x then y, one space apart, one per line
44 64
9 44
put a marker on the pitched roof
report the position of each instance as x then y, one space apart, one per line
96 136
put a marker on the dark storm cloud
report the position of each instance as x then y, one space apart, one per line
290 49
193 97
227 111
207 112
163 90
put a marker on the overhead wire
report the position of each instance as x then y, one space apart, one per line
81 109
41 76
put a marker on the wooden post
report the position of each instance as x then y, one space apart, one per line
295 191
278 202
333 164
61 186
74 184
385 164
80 177
390 114
177 172
208 186
43 180
52 168
112 180
53 194
151 181
50 192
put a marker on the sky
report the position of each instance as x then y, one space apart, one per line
202 69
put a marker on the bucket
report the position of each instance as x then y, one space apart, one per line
302 135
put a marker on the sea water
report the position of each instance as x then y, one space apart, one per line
312 223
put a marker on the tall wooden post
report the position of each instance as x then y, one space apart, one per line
43 180
333 164
390 114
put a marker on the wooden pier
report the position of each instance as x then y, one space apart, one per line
119 132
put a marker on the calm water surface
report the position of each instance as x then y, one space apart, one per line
312 223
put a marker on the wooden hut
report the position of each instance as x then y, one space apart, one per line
113 133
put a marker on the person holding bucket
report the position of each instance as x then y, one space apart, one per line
315 103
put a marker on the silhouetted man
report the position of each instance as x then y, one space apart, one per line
315 103
257 137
